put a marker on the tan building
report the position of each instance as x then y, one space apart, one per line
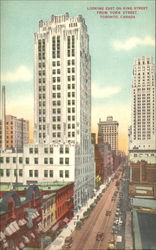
48 211
108 133
16 133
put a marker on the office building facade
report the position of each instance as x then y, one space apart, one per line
108 133
142 142
62 149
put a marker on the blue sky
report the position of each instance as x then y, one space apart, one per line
114 44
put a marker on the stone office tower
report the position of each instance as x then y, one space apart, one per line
142 136
63 97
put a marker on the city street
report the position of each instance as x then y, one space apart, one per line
85 238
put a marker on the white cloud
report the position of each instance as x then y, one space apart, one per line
133 42
101 92
22 73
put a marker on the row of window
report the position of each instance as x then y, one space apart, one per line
36 160
33 173
7 172
49 173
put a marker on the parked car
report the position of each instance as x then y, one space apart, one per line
111 245
108 212
100 236
68 242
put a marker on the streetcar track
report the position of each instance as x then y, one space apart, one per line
97 214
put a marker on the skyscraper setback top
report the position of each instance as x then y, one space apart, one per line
62 81
143 105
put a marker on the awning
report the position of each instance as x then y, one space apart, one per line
66 220
54 228
8 231
25 239
21 245
2 236
5 244
14 223
32 235
40 226
22 222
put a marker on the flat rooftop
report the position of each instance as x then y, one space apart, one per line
147 203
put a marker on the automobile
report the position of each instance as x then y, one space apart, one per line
68 242
115 222
99 236
108 212
111 245
120 222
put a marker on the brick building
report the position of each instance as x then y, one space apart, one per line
104 161
142 179
20 220
16 133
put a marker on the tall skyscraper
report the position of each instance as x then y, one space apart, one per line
143 129
63 96
62 81
108 133
62 149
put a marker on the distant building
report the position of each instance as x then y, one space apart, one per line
104 161
108 133
17 133
93 138
142 133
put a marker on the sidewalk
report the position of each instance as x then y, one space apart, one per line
128 232
59 241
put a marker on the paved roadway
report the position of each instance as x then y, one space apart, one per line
85 238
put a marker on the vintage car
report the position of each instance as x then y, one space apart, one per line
68 242
108 213
100 236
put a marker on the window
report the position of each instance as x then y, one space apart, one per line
51 160
1 172
7 172
20 172
36 150
67 161
45 160
1 159
15 172
61 150
27 160
31 150
66 150
45 173
20 160
14 159
61 173
36 173
35 160
66 173
46 150
51 173
51 150
30 173
61 160
7 159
